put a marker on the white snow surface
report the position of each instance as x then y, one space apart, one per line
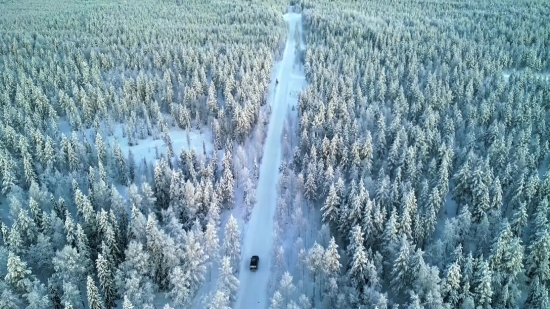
258 236
146 148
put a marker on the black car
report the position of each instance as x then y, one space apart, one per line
254 262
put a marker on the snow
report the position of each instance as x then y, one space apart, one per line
146 148
448 212
258 236
507 73
159 301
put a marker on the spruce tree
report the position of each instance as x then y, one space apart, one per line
231 242
537 296
227 282
180 290
332 204
94 299
18 274
105 273
483 290
332 259
451 285
194 259
120 164
126 304
211 242
315 264
400 271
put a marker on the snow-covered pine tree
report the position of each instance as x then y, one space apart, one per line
481 202
462 190
179 287
135 197
227 183
118 206
126 303
120 164
310 185
105 273
390 236
482 287
400 270
414 302
40 254
506 262
153 244
249 199
227 282
85 209
162 184
211 243
331 207
538 256
304 302
287 288
220 300
83 247
68 266
537 296
37 297
451 285
194 260
18 274
100 148
148 197
72 297
212 101
362 271
70 230
94 299
276 301
355 239
133 276
519 220
231 242
131 166
315 264
15 241
332 260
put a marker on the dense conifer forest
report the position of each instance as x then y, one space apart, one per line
423 141
84 86
414 167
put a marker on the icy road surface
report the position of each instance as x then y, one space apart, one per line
258 238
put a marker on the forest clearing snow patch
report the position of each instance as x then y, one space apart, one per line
146 149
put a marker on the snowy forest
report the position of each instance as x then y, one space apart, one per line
423 145
411 170
130 131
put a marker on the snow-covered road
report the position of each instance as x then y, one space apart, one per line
258 238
